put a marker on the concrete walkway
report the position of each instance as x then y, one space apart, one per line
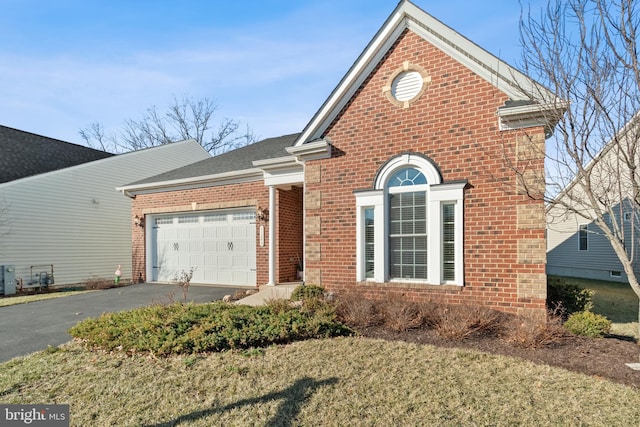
268 293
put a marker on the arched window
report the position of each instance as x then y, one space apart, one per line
407 206
410 225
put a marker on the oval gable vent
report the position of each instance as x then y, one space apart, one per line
407 85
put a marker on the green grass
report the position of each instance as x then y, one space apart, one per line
24 299
616 301
332 382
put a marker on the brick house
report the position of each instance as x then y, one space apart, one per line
401 183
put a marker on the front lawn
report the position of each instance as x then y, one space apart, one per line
223 364
333 382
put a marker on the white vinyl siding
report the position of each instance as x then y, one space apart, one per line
75 219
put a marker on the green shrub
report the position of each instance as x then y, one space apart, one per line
567 298
588 324
193 328
305 292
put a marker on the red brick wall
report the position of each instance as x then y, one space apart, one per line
455 124
289 235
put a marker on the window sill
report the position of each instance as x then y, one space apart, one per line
412 285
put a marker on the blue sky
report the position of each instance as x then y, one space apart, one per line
268 64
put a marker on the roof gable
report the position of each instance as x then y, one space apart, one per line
24 154
407 16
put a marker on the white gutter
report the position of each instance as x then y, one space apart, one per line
219 178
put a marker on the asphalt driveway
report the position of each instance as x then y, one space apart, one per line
25 328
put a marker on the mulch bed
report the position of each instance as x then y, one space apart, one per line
598 357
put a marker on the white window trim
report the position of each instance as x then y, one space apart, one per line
370 199
440 194
580 238
437 194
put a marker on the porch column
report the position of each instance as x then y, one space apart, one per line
272 236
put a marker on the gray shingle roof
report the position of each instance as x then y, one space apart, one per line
236 160
24 154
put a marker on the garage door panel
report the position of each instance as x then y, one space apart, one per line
220 246
239 261
196 247
209 233
223 233
183 233
223 261
238 233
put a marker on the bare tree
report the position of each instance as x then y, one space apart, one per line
185 118
586 52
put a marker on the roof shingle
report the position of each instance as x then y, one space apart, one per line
237 160
24 154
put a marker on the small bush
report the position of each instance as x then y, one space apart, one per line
357 311
567 298
400 315
458 322
195 328
588 324
304 292
535 332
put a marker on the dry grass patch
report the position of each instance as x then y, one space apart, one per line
24 299
335 382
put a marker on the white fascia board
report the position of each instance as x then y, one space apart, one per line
524 116
284 177
507 79
311 151
281 171
227 178
275 163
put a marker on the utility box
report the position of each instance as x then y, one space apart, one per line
7 279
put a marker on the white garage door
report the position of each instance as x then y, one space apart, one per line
220 246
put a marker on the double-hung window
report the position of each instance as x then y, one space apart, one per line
583 237
410 226
407 220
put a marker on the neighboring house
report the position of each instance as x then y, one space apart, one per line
59 206
576 245
24 154
398 185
